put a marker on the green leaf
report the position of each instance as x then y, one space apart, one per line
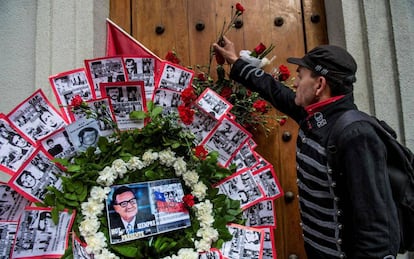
73 168
55 215
70 196
126 250
156 111
137 115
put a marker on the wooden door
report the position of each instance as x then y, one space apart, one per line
293 26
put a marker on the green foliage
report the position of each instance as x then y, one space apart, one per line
159 134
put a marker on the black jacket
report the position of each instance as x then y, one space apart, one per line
347 212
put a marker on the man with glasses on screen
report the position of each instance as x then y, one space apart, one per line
126 223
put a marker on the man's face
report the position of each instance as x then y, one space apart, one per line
89 138
113 93
306 87
18 141
27 180
48 120
130 66
126 206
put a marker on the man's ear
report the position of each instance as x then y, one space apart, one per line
322 87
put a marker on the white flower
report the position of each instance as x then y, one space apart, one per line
98 193
199 190
92 208
208 233
135 163
107 176
95 243
180 166
89 226
204 207
148 157
206 219
190 178
202 245
167 157
119 166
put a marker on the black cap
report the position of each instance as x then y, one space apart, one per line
332 62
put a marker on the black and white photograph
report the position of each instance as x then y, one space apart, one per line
227 138
175 77
105 70
267 180
247 242
242 187
38 236
139 210
83 133
262 214
245 157
142 69
15 148
58 145
125 98
38 173
201 125
214 104
12 203
7 235
67 85
36 117
169 100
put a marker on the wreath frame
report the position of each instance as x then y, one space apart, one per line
160 133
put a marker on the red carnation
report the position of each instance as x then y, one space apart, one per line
188 96
201 77
260 106
77 101
226 92
186 114
259 49
282 121
284 73
201 152
240 8
172 57
188 200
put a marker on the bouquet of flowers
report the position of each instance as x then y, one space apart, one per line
250 110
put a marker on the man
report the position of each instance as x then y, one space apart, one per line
88 137
27 180
347 213
131 67
126 219
54 149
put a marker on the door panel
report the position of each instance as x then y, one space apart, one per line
293 26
